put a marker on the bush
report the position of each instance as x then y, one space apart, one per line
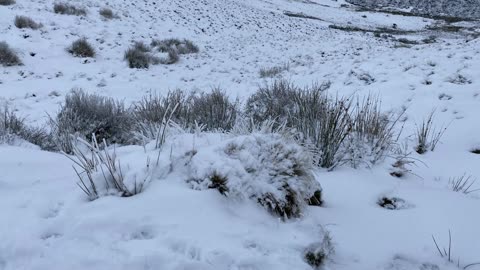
107 13
100 172
373 133
268 169
212 111
180 46
85 114
138 56
272 102
13 127
26 22
68 9
8 57
81 48
273 71
333 129
7 2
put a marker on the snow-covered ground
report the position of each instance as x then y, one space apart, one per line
47 223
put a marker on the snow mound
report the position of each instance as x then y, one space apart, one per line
266 168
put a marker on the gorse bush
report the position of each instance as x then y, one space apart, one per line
85 114
68 9
7 2
8 57
26 22
81 48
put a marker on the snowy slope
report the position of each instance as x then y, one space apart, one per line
47 223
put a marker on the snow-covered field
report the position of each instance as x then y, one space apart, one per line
48 223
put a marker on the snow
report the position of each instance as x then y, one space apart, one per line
48 223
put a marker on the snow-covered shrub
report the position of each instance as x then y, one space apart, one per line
332 128
138 56
8 57
324 123
26 22
373 135
7 2
184 46
273 71
272 102
68 9
427 135
211 110
318 253
107 13
13 127
81 48
153 115
214 110
269 169
100 172
85 114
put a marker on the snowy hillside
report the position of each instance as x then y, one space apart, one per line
463 8
239 134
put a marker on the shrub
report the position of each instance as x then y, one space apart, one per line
100 172
172 58
81 48
333 129
152 116
324 124
86 114
26 22
272 102
427 135
8 57
180 46
12 127
138 56
373 133
7 2
273 71
214 110
107 13
68 9
269 169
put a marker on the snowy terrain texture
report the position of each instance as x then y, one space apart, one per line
413 64
459 8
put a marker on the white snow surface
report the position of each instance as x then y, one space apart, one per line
48 223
